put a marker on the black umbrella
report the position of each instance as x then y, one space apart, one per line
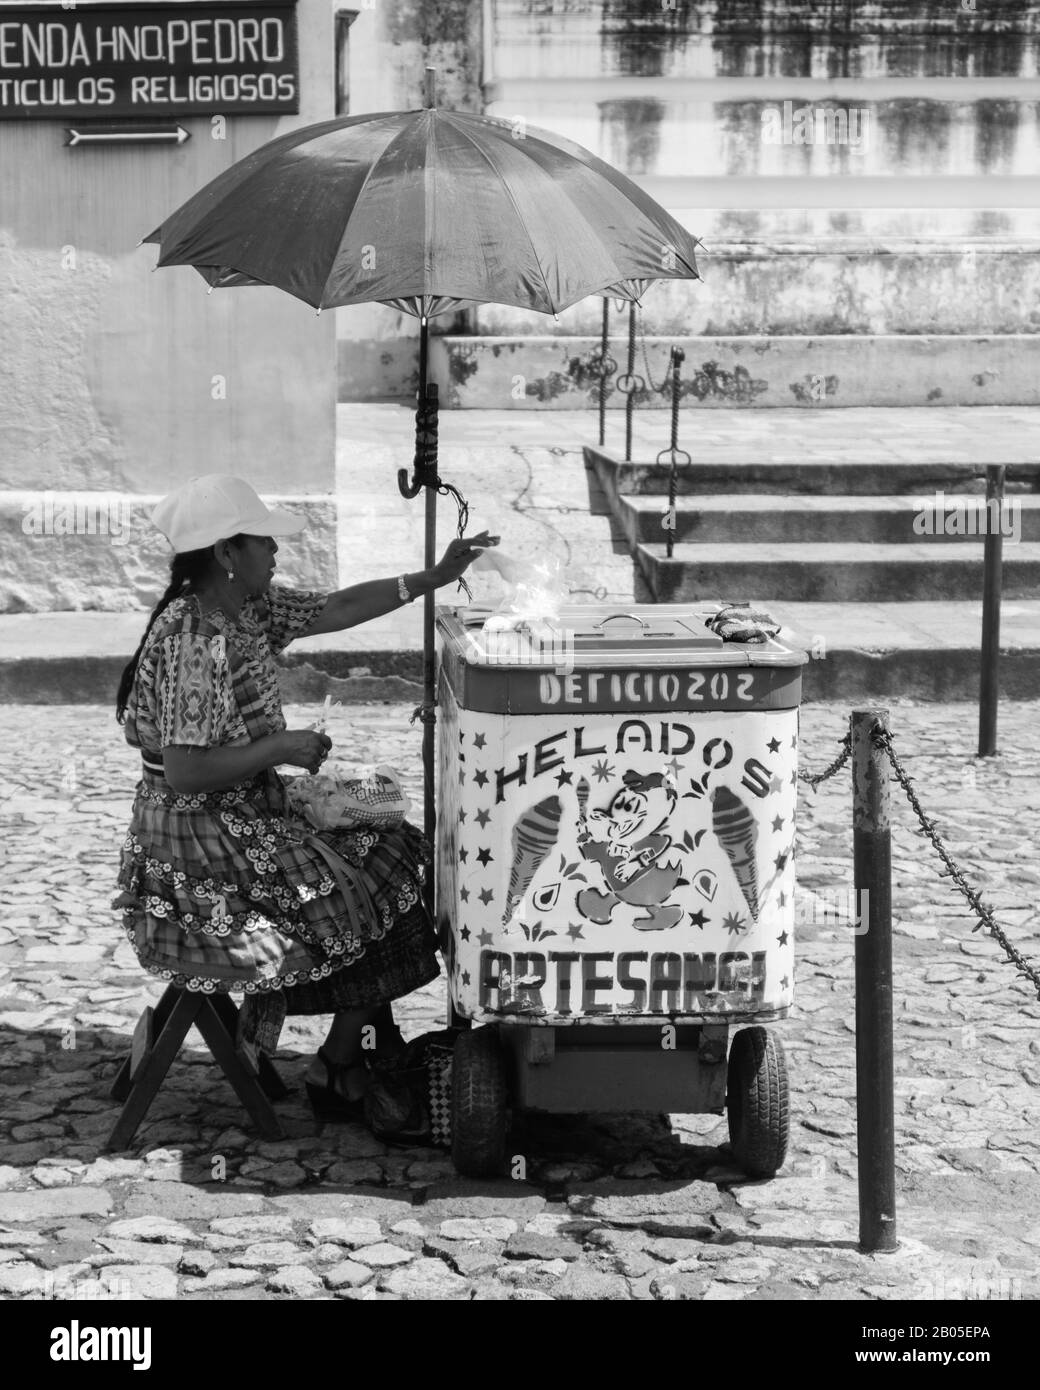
427 211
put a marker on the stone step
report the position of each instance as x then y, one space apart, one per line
775 468
830 572
925 651
812 518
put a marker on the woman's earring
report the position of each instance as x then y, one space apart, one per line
230 575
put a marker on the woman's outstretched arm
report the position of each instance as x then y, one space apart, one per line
362 602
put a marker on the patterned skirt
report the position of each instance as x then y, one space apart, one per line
224 891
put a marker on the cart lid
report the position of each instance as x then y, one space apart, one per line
595 656
604 636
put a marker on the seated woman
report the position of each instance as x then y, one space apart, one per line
220 891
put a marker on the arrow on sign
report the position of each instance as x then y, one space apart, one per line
115 135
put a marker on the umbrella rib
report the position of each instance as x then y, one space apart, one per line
594 231
354 205
258 160
428 216
487 158
610 176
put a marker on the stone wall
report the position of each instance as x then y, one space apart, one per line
555 372
851 169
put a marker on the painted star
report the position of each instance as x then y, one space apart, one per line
698 919
735 924
479 740
465 977
461 735
485 856
464 934
602 770
778 822
480 777
485 895
794 779
463 855
563 776
782 939
574 932
675 766
462 816
482 818
780 861
464 895
776 785
773 745
783 899
785 983
794 740
485 938
462 776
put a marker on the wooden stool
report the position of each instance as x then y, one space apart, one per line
157 1040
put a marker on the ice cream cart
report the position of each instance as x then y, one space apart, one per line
615 876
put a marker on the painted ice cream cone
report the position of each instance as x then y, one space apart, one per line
737 833
534 834
583 800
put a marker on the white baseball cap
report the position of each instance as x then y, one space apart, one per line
216 507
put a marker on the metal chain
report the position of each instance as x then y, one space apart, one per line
646 360
815 778
449 489
882 738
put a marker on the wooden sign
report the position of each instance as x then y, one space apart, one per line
147 61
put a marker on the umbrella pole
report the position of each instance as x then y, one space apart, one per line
424 477
429 673
428 401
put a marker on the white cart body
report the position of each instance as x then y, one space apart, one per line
616 820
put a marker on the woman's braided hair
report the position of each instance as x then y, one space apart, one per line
186 569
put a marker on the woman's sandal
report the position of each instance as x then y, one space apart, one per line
330 1106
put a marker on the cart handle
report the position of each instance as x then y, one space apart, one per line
612 617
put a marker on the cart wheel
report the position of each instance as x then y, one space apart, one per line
757 1102
479 1104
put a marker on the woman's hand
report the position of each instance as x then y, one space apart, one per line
304 748
458 557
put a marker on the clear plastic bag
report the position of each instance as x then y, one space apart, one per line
335 801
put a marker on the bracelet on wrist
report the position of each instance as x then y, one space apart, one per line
402 590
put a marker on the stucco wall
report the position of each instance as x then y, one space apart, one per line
833 370
116 377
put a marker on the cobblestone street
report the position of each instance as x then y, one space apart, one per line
609 1208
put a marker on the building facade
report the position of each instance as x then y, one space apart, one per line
863 177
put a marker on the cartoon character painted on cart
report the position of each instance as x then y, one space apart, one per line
630 843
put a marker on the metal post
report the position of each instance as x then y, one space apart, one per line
604 342
678 357
426 469
872 853
429 678
630 398
993 561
